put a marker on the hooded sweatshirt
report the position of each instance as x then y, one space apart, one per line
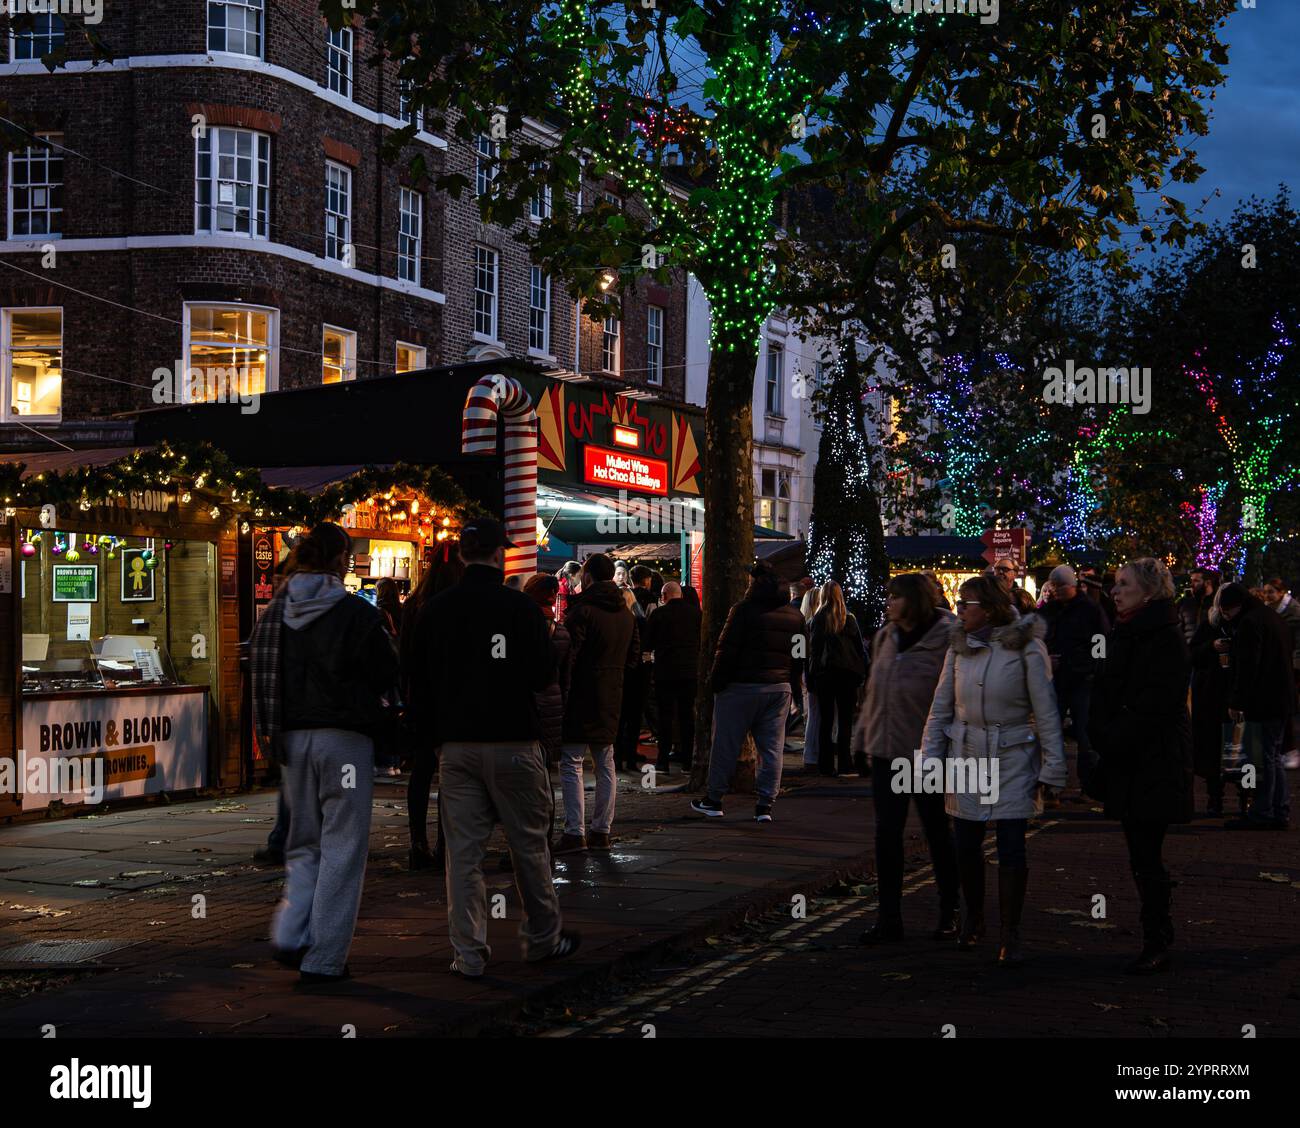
337 659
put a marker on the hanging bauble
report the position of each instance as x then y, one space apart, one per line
73 555
29 549
105 540
151 562
57 549
92 548
147 554
168 545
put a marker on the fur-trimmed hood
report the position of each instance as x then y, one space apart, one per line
1014 635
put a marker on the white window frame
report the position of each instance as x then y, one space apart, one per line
614 350
6 363
341 219
539 204
272 341
56 37
536 273
654 345
339 51
405 114
421 349
819 382
256 6
25 155
485 175
259 219
410 235
773 404
349 368
485 257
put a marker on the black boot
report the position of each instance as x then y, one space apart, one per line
1011 903
1157 924
883 932
971 868
948 926
421 856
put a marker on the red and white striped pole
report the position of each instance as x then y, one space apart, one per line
501 395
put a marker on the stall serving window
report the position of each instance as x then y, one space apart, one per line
109 612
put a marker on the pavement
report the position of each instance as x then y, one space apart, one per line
155 922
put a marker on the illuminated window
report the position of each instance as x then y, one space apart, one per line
31 359
609 358
36 189
339 349
772 507
411 358
229 350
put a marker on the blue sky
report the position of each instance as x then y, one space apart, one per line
1254 138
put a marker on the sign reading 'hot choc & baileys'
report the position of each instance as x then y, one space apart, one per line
621 469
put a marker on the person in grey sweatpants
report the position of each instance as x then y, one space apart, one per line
329 780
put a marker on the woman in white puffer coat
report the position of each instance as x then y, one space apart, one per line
994 730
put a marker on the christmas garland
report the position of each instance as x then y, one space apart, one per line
202 466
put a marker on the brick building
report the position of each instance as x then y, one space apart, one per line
213 198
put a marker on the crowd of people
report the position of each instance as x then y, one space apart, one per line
493 682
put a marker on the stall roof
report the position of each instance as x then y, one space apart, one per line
57 461
311 479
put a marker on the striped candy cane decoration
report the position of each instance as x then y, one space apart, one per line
501 395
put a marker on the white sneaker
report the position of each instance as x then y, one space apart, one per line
456 969
1291 761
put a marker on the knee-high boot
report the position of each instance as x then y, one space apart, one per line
1154 888
1011 903
970 868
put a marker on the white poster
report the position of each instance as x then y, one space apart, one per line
6 571
78 622
97 748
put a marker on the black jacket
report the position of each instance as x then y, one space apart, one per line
336 669
673 632
1260 681
757 642
604 638
550 701
1139 724
482 650
1192 612
1072 626
835 654
1209 700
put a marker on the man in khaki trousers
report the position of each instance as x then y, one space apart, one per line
481 652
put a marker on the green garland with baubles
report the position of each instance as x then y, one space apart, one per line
237 489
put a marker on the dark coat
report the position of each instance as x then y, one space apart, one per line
673 632
1139 724
757 642
604 640
482 650
550 701
1072 626
1260 682
1193 610
1209 700
839 655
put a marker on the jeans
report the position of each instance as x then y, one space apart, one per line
1073 696
482 783
329 781
742 709
836 693
891 819
1011 840
1261 743
575 801
628 741
676 698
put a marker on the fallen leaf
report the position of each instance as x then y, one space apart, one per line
243 965
139 873
1066 912
712 941
200 849
896 975
1281 878
1108 1006
87 881
1091 924
393 1027
1157 1021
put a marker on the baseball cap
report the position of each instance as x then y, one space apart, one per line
483 534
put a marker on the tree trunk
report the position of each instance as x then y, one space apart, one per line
728 525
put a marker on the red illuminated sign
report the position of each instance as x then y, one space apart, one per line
625 437
604 467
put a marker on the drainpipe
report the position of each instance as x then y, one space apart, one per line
577 311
